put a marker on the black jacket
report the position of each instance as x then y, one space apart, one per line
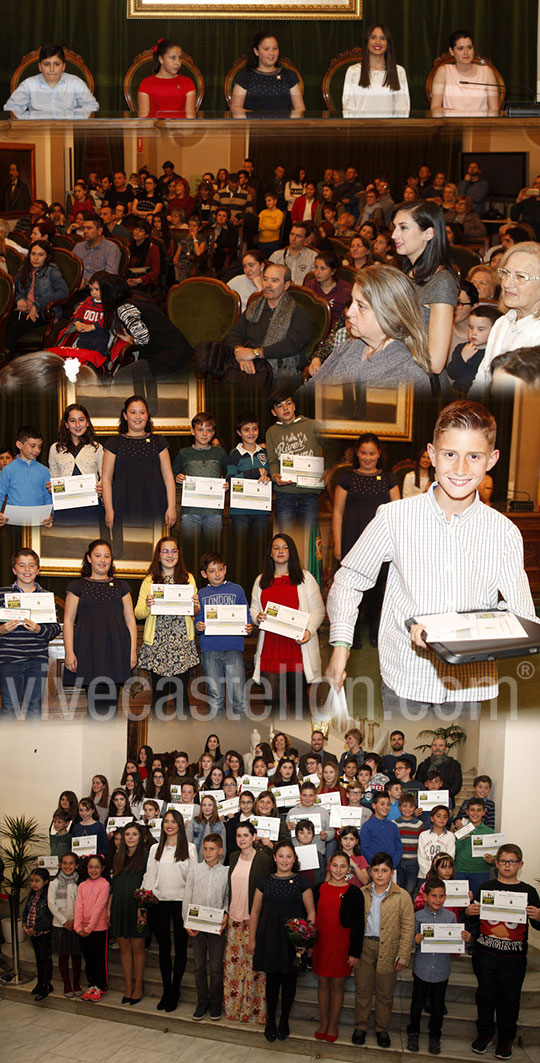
450 772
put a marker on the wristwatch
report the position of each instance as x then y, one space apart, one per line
259 352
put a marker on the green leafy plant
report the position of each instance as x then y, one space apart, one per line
19 837
453 735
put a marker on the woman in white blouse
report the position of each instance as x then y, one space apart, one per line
377 87
166 872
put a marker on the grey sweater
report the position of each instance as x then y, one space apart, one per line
389 367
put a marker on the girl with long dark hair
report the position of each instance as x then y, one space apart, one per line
128 872
38 282
166 92
376 86
100 632
420 238
138 483
264 85
358 494
168 651
166 876
285 582
77 452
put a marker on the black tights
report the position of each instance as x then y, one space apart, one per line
287 984
285 687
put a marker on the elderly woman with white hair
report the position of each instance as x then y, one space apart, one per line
519 276
389 344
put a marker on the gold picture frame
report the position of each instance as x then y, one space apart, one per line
319 9
172 403
61 549
346 410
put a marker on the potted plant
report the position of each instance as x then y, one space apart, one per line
453 735
19 836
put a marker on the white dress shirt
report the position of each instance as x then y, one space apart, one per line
437 565
35 98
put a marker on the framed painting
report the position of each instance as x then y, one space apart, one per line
285 9
16 200
172 403
348 410
62 547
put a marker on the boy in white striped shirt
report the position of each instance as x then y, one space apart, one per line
447 552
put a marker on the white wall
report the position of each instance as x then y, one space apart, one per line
38 761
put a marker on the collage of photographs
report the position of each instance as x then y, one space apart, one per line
270 551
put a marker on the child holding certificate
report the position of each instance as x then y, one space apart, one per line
77 453
222 654
500 954
340 922
168 651
299 437
431 970
281 659
201 459
24 652
25 480
207 884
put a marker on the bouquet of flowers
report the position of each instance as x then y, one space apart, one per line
145 899
302 935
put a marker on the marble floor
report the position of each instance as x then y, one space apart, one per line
29 1033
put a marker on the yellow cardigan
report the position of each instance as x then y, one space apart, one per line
142 611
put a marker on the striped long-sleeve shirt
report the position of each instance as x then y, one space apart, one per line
437 565
23 645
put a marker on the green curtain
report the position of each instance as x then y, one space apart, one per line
108 41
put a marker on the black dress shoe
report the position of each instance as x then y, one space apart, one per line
172 1000
42 994
383 1039
359 1037
283 1031
270 1031
135 1000
127 1000
163 1002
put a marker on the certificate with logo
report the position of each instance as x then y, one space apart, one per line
267 826
251 494
457 892
442 937
172 599
204 492
503 906
225 619
208 920
291 623
73 492
428 799
481 844
286 796
84 845
38 607
304 470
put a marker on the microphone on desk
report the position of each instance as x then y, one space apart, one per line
517 108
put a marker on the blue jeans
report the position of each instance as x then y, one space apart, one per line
22 688
407 874
224 671
209 522
256 522
292 509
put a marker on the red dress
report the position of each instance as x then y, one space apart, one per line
331 948
167 95
280 654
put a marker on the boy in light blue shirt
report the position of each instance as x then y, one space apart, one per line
24 481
